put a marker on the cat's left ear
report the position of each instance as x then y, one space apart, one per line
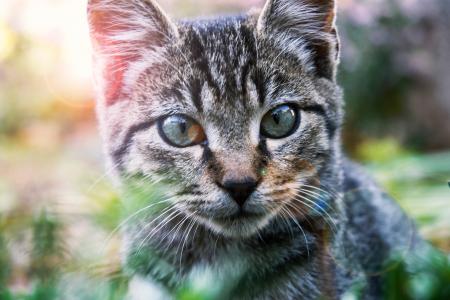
308 24
127 36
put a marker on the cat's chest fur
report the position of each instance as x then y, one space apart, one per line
270 268
280 263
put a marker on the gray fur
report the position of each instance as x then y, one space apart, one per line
321 224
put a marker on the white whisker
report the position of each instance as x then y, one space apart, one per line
125 221
166 219
191 224
332 226
299 226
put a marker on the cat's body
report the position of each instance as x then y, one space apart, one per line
240 118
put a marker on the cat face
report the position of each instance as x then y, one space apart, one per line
236 115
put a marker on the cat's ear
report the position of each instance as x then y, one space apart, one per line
308 23
126 36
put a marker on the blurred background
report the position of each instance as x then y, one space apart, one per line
57 208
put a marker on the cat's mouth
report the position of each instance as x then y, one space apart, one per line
237 225
240 216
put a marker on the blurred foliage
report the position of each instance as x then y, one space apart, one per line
45 260
380 151
5 267
390 72
375 88
424 277
418 182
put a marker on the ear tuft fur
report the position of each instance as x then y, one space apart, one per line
122 31
310 22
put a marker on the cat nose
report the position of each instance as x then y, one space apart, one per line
240 189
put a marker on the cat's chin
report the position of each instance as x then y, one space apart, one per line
241 225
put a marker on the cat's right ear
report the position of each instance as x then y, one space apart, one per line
127 35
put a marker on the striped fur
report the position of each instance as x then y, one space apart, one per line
301 238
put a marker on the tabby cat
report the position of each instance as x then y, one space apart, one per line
238 118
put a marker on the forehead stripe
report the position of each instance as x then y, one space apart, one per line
196 94
201 62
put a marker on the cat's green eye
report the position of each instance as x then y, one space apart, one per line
181 131
280 122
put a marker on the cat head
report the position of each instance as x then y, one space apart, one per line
239 116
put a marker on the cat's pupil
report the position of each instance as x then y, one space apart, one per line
276 117
183 127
